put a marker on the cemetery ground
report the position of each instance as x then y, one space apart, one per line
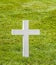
41 15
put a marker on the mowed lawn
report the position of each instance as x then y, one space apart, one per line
41 15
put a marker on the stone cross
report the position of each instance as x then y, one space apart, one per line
25 32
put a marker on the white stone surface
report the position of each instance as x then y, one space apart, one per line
25 32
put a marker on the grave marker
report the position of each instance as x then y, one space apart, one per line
25 32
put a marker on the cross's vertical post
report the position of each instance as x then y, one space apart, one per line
25 39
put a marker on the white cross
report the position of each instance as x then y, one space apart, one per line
25 32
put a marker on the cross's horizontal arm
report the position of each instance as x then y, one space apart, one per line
34 32
17 32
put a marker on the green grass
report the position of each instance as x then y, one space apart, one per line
42 15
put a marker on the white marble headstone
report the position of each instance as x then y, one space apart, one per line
25 32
